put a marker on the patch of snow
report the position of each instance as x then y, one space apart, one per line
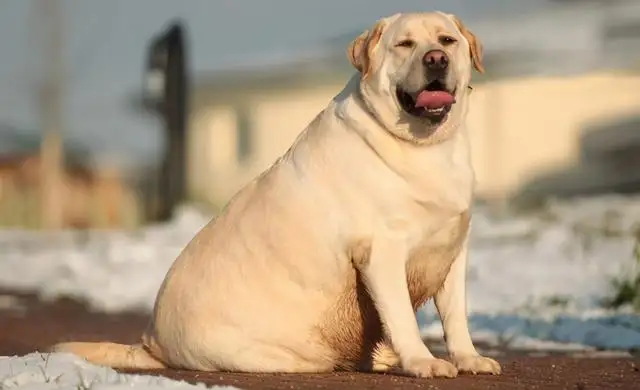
534 276
67 371
524 332
111 270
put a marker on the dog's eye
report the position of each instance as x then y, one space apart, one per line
406 43
445 40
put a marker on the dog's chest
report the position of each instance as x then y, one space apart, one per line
431 258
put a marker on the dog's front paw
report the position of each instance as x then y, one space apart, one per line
476 364
430 368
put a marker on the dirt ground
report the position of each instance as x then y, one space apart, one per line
27 324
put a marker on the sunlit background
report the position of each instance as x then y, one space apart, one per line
125 125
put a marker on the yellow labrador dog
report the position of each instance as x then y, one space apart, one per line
320 263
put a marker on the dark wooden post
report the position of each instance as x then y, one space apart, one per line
168 74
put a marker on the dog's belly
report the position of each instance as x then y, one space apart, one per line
352 329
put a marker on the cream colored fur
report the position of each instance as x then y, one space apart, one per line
320 263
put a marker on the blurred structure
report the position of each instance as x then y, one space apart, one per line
521 127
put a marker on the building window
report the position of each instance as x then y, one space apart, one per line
244 143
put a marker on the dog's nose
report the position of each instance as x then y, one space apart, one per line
436 60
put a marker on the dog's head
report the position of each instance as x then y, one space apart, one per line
415 71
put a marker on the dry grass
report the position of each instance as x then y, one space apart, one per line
626 289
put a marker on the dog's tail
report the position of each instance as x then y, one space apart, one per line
111 354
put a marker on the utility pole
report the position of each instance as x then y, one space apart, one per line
50 101
167 68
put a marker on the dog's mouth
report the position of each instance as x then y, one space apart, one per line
432 102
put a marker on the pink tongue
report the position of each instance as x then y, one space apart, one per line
434 99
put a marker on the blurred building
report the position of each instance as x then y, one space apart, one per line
551 78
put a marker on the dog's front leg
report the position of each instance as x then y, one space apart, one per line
452 307
384 275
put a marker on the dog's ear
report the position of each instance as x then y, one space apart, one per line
360 51
475 47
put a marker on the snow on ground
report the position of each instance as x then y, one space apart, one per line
66 371
543 276
112 270
534 279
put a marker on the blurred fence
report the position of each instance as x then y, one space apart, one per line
85 197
